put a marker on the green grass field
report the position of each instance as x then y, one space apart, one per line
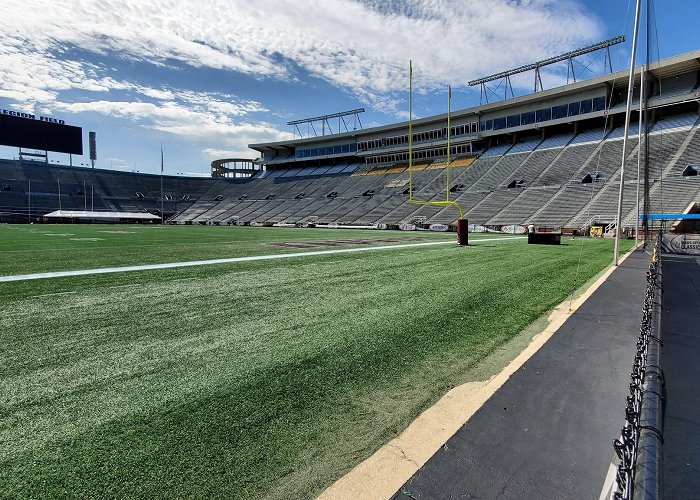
265 379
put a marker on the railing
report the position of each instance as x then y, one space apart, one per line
639 447
597 218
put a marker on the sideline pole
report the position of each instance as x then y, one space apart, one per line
639 151
410 131
630 90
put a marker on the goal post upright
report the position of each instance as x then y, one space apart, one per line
447 166
462 238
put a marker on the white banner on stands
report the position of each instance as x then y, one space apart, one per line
685 244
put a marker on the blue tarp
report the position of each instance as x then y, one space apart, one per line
671 216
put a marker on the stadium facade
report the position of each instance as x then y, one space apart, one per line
551 158
569 109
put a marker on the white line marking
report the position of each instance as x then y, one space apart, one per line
608 484
251 258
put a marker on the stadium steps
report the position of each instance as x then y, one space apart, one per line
671 195
563 168
402 213
278 213
323 186
330 212
491 204
243 210
466 200
435 185
533 165
488 161
399 212
499 175
429 182
430 211
578 150
10 172
259 190
523 206
356 208
282 211
356 185
606 202
600 204
308 210
230 210
289 210
251 212
385 205
564 204
670 150
214 208
13 202
469 175
680 147
215 213
205 202
502 171
607 160
321 207
340 213
327 213
265 211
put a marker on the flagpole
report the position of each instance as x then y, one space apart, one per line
162 213
410 131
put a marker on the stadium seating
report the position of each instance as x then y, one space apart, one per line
545 178
523 206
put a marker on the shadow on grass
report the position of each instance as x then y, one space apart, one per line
233 443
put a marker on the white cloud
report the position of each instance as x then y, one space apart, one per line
214 153
185 121
361 46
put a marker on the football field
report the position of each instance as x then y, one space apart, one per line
269 365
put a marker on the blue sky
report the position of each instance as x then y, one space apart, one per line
207 77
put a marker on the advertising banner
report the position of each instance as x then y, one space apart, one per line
685 244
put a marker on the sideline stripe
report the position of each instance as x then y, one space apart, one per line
250 258
382 474
609 483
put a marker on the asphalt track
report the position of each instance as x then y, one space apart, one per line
548 431
680 361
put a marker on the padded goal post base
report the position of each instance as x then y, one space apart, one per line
462 231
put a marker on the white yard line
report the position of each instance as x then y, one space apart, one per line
251 258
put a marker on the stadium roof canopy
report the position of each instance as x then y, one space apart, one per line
82 214
664 69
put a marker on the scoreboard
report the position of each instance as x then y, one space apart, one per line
24 130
